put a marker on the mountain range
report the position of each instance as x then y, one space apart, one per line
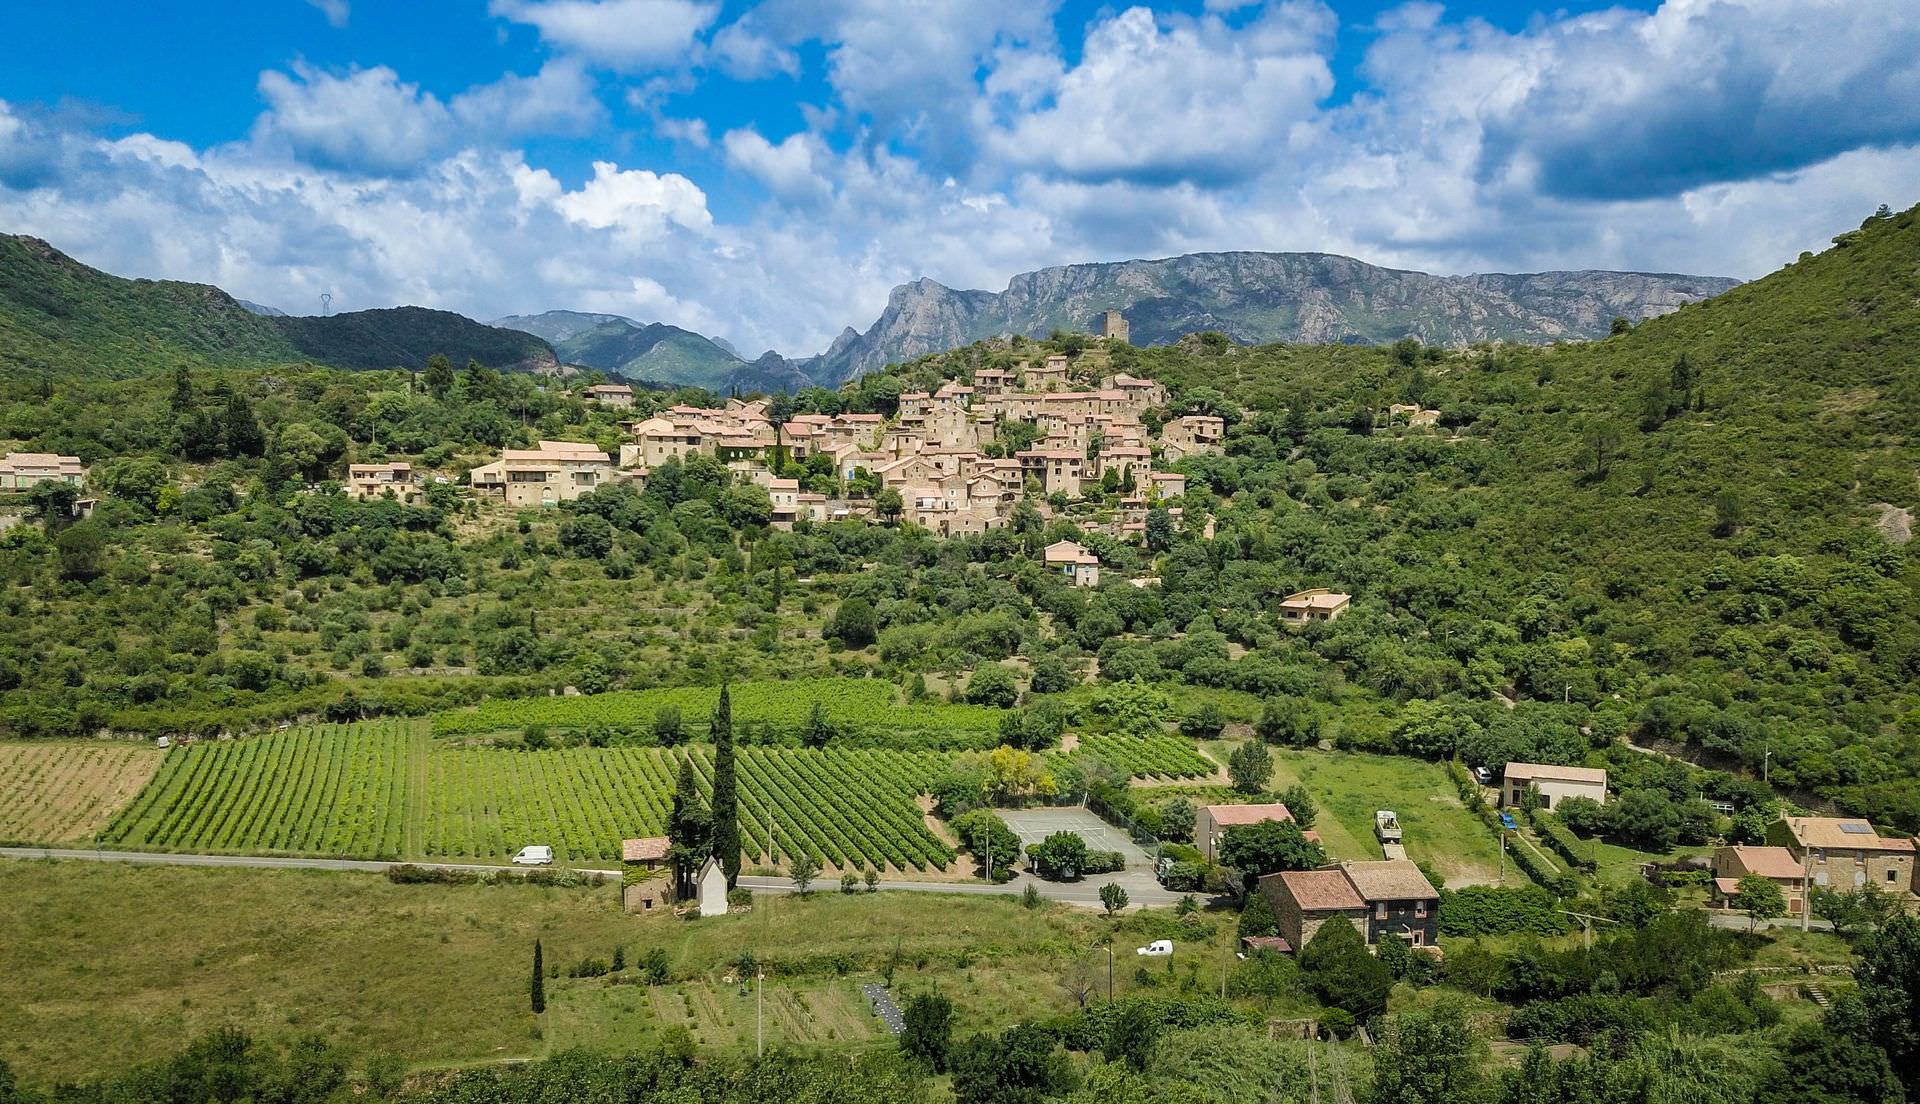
58 314
1260 298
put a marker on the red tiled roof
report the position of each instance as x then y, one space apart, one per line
1319 890
650 849
1225 815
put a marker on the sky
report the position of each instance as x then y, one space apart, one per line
767 172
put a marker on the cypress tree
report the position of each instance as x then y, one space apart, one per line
539 981
689 828
726 808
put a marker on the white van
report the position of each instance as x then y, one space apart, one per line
537 855
1159 948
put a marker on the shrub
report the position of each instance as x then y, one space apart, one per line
1494 910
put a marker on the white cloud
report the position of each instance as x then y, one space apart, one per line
1190 100
621 34
559 99
365 119
336 12
635 201
788 170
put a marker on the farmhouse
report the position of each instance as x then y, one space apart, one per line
1776 864
1555 783
1846 853
557 471
1210 824
1081 567
1310 606
646 882
1384 898
23 471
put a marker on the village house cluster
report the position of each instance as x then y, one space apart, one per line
938 453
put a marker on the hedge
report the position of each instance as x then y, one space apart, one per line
1561 839
1496 910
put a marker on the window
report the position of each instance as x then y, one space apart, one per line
1380 911
1893 875
1419 938
1420 910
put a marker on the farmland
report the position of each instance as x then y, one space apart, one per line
1149 756
864 710
60 794
386 790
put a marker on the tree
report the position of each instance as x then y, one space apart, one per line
1061 855
1268 848
818 731
1430 1056
1205 723
182 399
240 429
1889 977
726 804
1396 954
439 376
81 549
1021 1066
1293 723
1051 675
854 624
1618 326
1113 898
1131 1034
803 869
1342 974
668 729
539 989
991 684
1760 898
1729 512
1832 1061
1647 818
926 1033
889 503
1250 766
1177 816
1602 439
1300 803
1258 918
1159 531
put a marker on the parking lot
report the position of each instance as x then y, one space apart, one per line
1034 825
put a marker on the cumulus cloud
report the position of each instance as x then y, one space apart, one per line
787 169
635 201
1190 100
621 34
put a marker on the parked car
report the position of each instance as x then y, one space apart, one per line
163 742
1483 776
536 855
1159 948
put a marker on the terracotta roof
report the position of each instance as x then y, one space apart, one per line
650 849
1225 815
1845 834
1557 773
1768 862
1388 880
1266 943
1316 599
1319 890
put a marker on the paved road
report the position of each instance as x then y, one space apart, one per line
1141 889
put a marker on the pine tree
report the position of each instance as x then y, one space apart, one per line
182 399
242 429
726 807
539 981
440 378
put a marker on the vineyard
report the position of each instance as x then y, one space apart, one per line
330 790
383 790
56 794
864 710
1149 756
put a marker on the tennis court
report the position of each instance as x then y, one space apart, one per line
1034 825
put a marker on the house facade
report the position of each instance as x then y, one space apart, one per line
1211 822
556 472
23 471
1305 900
397 481
646 883
1306 607
1400 901
1846 853
1555 783
1079 566
1776 864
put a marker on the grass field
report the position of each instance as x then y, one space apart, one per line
109 963
1437 828
65 793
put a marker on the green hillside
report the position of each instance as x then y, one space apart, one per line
655 351
59 316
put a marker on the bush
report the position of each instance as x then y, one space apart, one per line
992 685
1564 842
1494 910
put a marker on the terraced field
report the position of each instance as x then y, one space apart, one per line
62 793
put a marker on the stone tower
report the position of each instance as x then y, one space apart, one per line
1113 326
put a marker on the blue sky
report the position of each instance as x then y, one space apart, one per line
768 171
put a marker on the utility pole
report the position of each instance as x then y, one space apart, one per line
759 1024
1806 891
1766 765
1586 923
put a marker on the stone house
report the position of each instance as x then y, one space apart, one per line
1210 823
23 471
1305 900
1381 899
557 471
611 394
1846 853
646 883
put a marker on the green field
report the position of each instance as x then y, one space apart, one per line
1150 757
1437 828
110 963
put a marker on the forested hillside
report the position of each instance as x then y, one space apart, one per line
59 318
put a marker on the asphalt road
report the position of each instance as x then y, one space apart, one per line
1141 888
